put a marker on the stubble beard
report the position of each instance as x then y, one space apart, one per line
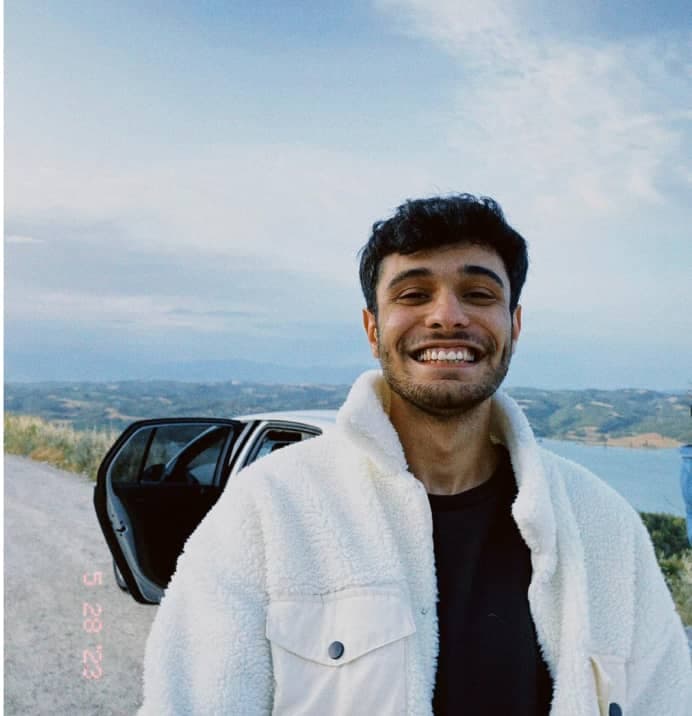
446 399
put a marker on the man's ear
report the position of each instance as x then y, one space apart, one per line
370 325
516 327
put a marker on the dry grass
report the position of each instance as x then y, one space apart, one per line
79 451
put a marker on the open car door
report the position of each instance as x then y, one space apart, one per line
153 488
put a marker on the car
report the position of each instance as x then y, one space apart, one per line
162 476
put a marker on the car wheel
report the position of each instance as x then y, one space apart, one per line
119 578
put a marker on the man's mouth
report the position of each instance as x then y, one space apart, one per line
460 354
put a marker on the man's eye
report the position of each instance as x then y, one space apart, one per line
413 296
480 296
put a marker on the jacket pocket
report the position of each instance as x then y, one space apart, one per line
611 688
340 654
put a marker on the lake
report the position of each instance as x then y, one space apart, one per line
649 479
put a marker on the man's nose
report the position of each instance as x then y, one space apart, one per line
447 312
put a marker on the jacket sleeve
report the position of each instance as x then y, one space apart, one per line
659 675
207 652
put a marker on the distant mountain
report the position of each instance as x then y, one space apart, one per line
601 416
31 367
116 404
251 371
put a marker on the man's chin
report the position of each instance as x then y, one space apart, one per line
442 398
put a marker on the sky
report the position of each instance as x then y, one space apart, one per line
191 182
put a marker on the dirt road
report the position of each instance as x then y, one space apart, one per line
54 550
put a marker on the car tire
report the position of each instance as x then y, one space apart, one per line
119 580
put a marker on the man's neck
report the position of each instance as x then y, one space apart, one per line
447 455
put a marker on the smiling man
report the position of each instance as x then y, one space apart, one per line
469 341
425 556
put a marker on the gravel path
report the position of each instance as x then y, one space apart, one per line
52 540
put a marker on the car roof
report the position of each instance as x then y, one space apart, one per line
323 419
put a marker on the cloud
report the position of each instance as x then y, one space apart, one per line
299 207
214 247
86 272
152 314
598 124
216 314
19 239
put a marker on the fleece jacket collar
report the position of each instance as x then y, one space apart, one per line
364 419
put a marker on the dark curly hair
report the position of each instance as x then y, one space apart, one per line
420 224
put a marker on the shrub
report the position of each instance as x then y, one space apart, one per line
669 535
58 444
680 586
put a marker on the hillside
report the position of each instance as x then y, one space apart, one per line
115 405
592 415
608 416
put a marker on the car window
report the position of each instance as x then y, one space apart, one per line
184 453
199 465
169 440
129 463
276 439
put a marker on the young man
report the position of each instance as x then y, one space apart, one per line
425 556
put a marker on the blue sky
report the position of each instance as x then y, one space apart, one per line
192 181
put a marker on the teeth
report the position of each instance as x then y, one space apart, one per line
434 354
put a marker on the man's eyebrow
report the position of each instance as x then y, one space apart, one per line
407 274
475 270
421 272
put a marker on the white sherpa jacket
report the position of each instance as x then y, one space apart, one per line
325 549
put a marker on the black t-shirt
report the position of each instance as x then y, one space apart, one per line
489 660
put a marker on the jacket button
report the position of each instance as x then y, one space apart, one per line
614 710
336 650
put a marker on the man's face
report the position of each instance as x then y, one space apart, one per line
444 334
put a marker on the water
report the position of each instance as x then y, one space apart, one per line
648 479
